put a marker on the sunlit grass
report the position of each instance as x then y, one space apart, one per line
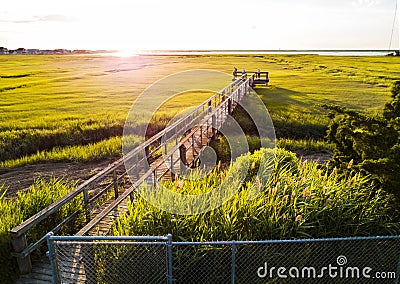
300 200
41 194
60 101
92 152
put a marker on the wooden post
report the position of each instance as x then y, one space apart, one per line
214 127
172 168
201 135
136 168
115 184
86 203
193 149
24 262
230 106
182 156
209 107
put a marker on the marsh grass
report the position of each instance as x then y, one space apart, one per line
308 145
300 200
59 101
14 211
92 152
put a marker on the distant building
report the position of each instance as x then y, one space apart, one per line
21 50
33 51
62 51
3 50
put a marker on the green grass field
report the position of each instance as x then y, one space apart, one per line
48 103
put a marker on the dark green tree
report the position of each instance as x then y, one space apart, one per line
371 143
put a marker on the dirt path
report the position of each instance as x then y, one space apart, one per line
315 157
22 178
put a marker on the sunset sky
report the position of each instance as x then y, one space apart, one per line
206 24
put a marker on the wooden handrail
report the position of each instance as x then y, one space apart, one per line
29 223
21 248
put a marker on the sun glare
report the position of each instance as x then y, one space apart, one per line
125 53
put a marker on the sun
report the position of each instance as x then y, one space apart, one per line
125 53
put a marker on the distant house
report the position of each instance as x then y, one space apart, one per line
62 51
3 50
33 51
21 50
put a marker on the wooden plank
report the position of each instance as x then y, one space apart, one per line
41 273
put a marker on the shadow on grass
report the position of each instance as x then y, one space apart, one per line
293 116
278 98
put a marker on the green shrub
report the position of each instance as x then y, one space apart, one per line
370 142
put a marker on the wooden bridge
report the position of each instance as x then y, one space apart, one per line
105 195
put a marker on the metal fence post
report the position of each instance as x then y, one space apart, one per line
233 262
51 254
170 278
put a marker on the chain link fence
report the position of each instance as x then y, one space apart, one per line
159 260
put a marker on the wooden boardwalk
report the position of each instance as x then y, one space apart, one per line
106 194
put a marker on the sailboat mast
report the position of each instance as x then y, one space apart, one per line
398 21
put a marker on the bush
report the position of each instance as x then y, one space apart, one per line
370 143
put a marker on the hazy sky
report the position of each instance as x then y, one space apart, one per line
205 24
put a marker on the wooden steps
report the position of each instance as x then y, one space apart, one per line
105 225
41 273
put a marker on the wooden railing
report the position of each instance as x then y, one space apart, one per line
261 78
174 141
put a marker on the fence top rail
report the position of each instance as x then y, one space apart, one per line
53 237
90 239
100 243
290 241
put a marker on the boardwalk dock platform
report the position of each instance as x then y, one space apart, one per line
106 194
